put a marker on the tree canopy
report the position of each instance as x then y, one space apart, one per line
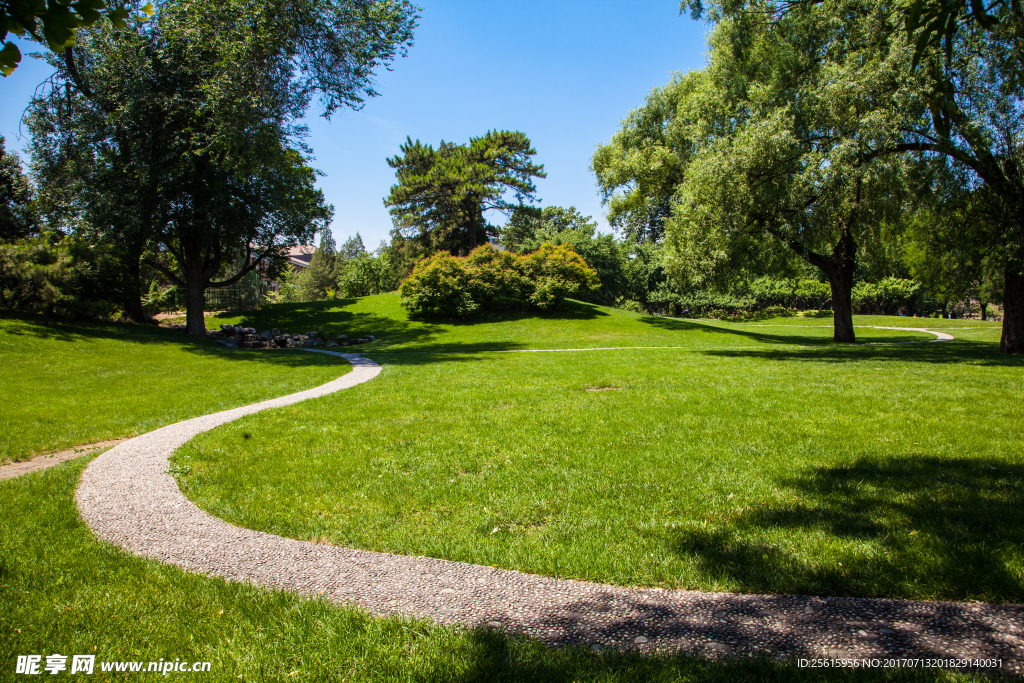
210 159
973 122
442 194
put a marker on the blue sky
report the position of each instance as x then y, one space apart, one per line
563 72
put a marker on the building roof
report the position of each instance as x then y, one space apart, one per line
300 256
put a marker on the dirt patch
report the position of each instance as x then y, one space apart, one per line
603 388
41 462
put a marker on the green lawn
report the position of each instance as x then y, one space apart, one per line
62 591
753 457
66 384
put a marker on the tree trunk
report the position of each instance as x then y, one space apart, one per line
984 313
1012 340
133 294
840 281
195 286
472 230
839 269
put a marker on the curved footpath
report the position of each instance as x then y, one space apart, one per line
128 499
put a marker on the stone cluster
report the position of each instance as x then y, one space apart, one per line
238 337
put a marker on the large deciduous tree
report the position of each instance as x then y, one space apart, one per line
193 117
953 101
441 195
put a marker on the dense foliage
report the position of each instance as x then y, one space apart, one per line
17 211
488 279
442 195
155 147
56 277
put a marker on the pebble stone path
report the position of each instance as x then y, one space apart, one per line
127 497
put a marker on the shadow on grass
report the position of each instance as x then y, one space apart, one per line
493 656
956 351
913 527
148 335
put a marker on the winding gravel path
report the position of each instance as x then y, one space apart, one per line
128 499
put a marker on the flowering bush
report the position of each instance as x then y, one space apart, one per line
488 279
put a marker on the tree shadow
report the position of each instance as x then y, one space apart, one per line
956 351
570 309
718 652
918 527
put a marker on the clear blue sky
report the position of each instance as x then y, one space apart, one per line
565 72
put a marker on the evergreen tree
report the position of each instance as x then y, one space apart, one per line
17 214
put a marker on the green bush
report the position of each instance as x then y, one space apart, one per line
747 316
486 279
890 296
53 276
365 274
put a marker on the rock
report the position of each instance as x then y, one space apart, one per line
258 344
332 343
370 337
640 640
314 333
228 329
309 342
266 336
250 337
247 344
342 337
275 332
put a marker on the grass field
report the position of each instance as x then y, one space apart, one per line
67 384
62 591
516 423
746 457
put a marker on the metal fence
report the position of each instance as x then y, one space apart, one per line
222 298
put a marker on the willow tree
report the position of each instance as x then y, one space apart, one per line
859 60
764 159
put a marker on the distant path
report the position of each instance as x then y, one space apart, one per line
127 497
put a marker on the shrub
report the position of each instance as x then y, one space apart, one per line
890 296
487 279
746 316
62 278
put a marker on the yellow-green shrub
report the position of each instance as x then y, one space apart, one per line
488 279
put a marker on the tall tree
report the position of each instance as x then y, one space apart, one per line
441 195
974 120
639 170
755 181
217 147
